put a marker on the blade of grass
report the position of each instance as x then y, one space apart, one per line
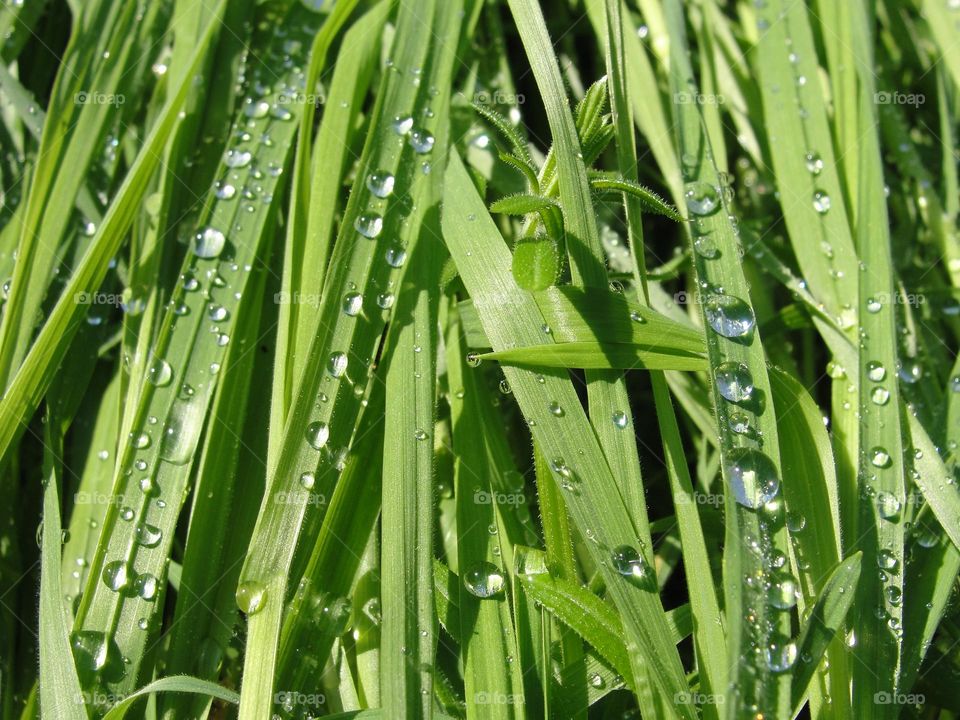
48 350
509 317
751 470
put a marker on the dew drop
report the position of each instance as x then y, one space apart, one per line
159 373
781 654
876 371
821 202
421 141
116 575
888 506
734 381
483 580
814 163
337 365
251 597
381 184
352 304
729 316
237 158
879 457
627 561
753 477
317 434
402 125
148 535
620 420
701 198
209 243
370 226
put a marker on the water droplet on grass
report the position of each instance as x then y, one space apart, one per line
251 597
483 580
753 477
734 381
209 243
701 198
317 434
729 316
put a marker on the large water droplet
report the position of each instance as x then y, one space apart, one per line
116 575
148 535
886 560
888 506
381 184
753 477
237 158
734 381
729 316
402 125
97 655
701 198
317 434
421 141
483 579
783 591
813 162
251 597
627 561
208 243
395 256
780 655
821 202
620 420
145 586
369 225
337 364
879 457
159 373
352 304
876 371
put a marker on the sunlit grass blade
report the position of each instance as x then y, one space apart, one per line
510 317
752 474
49 348
60 693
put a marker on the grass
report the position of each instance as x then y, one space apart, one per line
468 359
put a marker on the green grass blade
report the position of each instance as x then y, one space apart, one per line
596 505
48 350
60 692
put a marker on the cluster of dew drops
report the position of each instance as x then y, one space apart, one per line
95 651
369 224
753 478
